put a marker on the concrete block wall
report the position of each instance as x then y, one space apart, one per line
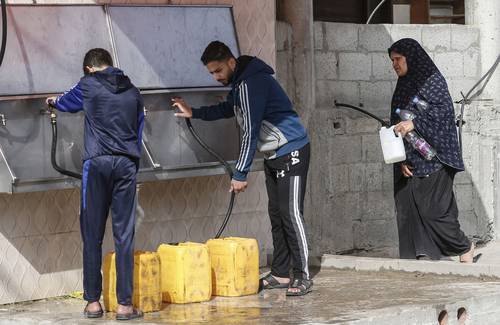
351 208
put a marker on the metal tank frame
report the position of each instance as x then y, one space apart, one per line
169 151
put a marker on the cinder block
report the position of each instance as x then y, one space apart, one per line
353 210
336 228
354 66
341 91
450 64
324 121
341 37
372 150
379 205
376 233
361 125
388 177
463 37
458 85
326 65
463 194
318 35
406 31
382 67
471 62
347 149
324 93
468 223
357 177
373 176
339 179
436 37
375 37
377 96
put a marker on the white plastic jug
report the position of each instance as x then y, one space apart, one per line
393 147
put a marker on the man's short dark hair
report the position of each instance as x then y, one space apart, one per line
97 58
216 51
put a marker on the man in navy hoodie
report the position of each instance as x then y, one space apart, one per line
270 125
114 118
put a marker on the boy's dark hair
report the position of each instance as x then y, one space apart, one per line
97 58
216 51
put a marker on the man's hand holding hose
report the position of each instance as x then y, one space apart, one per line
186 111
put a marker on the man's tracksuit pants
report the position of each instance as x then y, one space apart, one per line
108 181
286 179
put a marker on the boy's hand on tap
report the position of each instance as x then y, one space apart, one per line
50 100
185 109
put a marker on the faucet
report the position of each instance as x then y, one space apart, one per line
3 120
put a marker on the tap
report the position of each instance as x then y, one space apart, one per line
3 120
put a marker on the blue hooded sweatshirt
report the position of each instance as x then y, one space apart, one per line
114 114
263 111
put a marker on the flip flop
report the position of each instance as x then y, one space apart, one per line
304 286
93 314
129 316
477 257
272 283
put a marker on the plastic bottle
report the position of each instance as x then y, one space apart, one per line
405 115
417 142
421 104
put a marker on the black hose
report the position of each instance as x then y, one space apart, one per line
227 167
4 31
384 123
53 149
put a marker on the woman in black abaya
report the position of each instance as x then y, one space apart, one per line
427 212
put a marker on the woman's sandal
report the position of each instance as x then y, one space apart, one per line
474 258
272 283
129 316
304 286
93 314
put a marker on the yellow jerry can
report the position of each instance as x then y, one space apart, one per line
235 266
185 273
147 290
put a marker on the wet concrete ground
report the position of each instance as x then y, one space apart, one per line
339 297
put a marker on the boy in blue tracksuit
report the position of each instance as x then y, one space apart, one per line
270 125
114 117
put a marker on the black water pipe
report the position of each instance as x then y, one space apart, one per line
4 30
227 167
381 121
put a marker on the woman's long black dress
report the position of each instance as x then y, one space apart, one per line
427 212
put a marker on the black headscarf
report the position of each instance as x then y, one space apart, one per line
437 123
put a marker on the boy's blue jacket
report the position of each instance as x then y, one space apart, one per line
114 114
264 113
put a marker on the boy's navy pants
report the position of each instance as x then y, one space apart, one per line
108 181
